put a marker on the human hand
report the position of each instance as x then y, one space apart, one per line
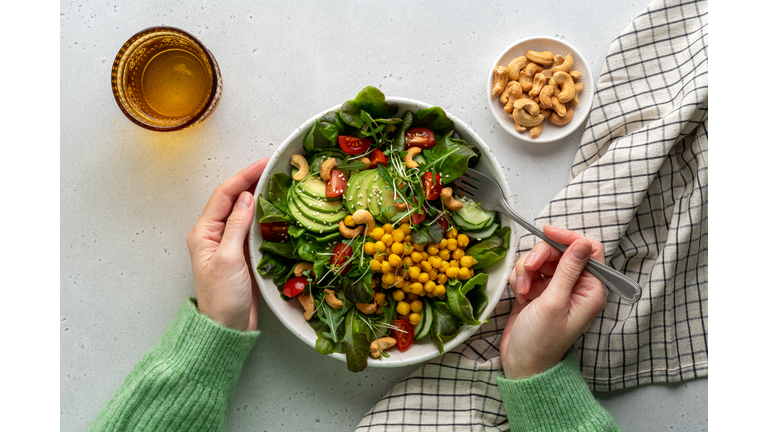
216 243
552 310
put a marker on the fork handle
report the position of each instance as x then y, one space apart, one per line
617 282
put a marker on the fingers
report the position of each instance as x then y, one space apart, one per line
529 267
220 204
238 224
567 237
568 271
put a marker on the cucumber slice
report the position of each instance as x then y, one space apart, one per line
465 226
474 215
323 206
484 233
425 325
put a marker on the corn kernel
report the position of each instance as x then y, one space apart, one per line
397 248
443 243
380 298
388 279
411 297
452 272
414 318
423 277
413 272
416 288
417 257
442 278
408 262
464 273
429 286
377 232
444 266
398 235
444 254
462 240
436 261
394 260
406 288
348 221
387 239
380 246
398 295
408 238
400 282
433 249
379 310
388 228
457 254
453 233
467 261
426 266
403 308
439 290
381 257
417 305
386 267
369 248
405 228
375 265
452 244
407 248
433 274
454 263
419 247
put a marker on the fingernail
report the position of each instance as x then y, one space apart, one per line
582 250
520 283
529 258
244 201
553 228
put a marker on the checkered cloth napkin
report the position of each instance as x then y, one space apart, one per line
639 185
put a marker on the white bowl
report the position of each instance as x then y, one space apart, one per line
551 132
291 313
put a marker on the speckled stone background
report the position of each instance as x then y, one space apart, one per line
129 196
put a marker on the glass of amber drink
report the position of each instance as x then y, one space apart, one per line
164 79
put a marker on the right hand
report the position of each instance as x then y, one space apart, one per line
556 301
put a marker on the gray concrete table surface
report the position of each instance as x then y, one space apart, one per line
129 196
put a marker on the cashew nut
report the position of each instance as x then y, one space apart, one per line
558 106
514 67
526 82
504 98
565 66
367 308
533 68
517 125
528 105
575 75
548 73
544 58
500 78
577 88
364 217
309 305
367 162
348 232
525 119
536 130
557 61
567 90
539 81
514 94
327 167
401 206
330 298
409 162
299 162
560 121
301 267
381 344
545 96
451 203
545 113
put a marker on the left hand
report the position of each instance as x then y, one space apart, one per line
216 243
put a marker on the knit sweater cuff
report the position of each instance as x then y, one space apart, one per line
203 350
554 400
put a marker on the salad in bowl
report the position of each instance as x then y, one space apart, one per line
359 244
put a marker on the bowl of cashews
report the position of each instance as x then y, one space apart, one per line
540 89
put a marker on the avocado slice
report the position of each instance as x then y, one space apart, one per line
317 216
307 223
323 205
314 186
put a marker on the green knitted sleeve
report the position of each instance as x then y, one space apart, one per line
555 400
185 382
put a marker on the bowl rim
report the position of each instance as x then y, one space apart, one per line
467 331
574 124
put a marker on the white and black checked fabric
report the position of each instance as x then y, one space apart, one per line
639 185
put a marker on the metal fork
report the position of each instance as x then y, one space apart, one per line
483 189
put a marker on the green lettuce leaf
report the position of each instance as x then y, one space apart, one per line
277 190
355 342
370 100
445 325
270 212
450 158
436 120
492 249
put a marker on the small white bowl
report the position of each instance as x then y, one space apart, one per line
291 314
551 132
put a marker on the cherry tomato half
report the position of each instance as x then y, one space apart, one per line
443 223
419 137
295 286
341 254
418 217
354 145
275 231
432 188
377 156
336 185
403 338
